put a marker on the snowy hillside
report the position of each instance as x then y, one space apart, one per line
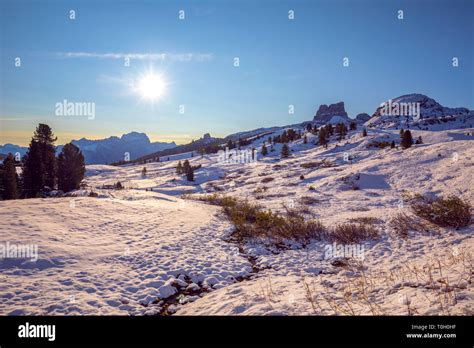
418 111
156 248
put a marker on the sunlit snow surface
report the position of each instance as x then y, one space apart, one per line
122 252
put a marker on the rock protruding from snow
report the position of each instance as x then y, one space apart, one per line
326 113
362 117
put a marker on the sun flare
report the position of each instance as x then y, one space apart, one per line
151 86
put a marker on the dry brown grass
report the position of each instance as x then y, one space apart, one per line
253 221
319 164
448 211
349 233
308 200
366 220
267 179
440 282
402 223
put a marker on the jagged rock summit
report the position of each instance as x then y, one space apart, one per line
333 113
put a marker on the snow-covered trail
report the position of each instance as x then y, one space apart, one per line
106 256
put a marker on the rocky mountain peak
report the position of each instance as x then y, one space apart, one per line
325 113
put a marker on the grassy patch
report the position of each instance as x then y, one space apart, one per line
260 189
379 144
450 211
366 220
308 200
324 163
349 233
402 223
253 221
267 179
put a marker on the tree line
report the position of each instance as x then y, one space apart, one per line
41 170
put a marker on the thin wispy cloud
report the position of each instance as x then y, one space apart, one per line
174 57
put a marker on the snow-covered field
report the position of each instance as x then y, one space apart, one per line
146 250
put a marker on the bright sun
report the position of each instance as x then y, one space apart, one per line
151 86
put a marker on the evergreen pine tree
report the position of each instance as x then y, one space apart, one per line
9 178
353 126
364 132
341 130
264 150
322 137
190 174
407 140
285 151
179 168
33 176
1 181
329 129
186 167
71 168
188 170
305 139
392 144
45 137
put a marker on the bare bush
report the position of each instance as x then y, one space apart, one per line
267 179
402 223
253 221
308 200
366 220
449 211
348 233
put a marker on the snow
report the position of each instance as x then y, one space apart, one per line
338 119
106 256
129 251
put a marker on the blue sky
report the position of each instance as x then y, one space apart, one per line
282 62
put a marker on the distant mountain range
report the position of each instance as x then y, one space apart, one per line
193 146
109 150
414 111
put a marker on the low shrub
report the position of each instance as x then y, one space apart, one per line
366 220
324 163
450 211
253 221
349 233
402 223
310 165
379 144
308 200
267 179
